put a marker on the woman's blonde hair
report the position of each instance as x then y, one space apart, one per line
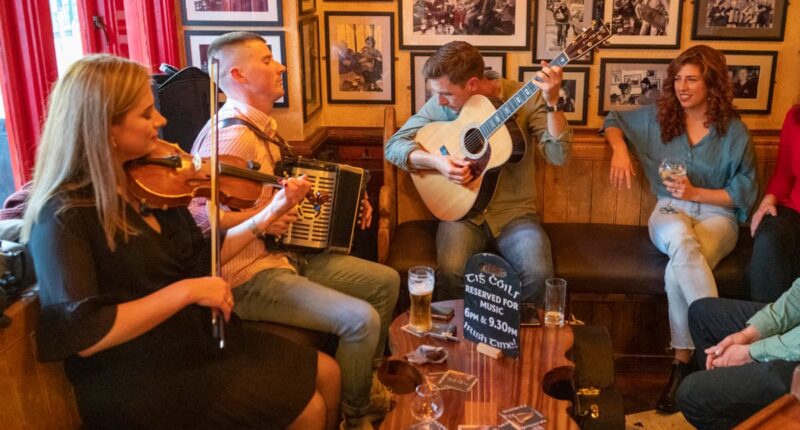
76 151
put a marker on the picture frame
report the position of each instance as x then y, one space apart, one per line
753 76
420 90
424 26
576 85
308 29
306 6
197 42
359 73
627 83
213 12
762 20
547 43
660 29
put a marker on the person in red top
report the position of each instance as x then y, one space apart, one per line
776 224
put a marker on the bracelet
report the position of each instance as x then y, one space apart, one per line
255 230
549 108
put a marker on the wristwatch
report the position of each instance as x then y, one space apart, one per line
549 108
255 230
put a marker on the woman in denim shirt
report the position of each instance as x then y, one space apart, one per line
695 221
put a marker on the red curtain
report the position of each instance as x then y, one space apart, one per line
103 26
28 66
152 32
27 71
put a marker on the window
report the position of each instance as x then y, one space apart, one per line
6 177
66 32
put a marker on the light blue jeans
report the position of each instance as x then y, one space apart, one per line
340 294
523 243
695 239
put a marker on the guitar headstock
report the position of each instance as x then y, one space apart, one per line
598 33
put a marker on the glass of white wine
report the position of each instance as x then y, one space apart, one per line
427 406
671 170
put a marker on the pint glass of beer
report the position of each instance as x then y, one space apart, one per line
420 287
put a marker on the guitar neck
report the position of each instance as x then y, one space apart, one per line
512 105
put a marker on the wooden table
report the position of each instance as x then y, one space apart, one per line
502 383
783 413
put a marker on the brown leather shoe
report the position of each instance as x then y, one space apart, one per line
666 402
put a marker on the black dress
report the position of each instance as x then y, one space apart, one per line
172 377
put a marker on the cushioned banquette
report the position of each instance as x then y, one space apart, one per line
598 234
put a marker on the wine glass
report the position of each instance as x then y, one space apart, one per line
671 170
427 406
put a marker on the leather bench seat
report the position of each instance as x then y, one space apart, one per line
606 258
594 258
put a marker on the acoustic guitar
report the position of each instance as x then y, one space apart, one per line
485 133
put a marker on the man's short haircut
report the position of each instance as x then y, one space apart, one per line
230 39
458 61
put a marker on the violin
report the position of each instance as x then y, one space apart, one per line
169 177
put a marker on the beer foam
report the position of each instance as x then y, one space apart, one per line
420 288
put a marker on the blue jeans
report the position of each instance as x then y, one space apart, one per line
695 238
721 398
340 294
523 243
776 255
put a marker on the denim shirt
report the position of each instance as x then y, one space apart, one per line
779 326
516 192
716 162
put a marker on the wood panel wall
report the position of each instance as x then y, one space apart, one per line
33 395
580 190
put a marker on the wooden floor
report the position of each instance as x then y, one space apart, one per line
640 381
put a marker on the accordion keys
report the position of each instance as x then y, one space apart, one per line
331 225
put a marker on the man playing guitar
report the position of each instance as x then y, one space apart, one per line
509 223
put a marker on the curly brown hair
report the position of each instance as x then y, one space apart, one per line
721 111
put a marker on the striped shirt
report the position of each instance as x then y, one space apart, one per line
240 141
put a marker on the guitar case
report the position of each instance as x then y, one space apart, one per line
597 404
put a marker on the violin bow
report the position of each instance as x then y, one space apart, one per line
217 321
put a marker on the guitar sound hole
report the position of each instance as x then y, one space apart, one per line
474 141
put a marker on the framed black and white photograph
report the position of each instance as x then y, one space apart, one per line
197 42
232 12
487 24
753 76
573 97
360 57
557 24
626 84
644 23
310 70
306 6
739 19
493 62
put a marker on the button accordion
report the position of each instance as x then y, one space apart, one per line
330 226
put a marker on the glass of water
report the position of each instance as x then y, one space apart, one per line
671 170
555 298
